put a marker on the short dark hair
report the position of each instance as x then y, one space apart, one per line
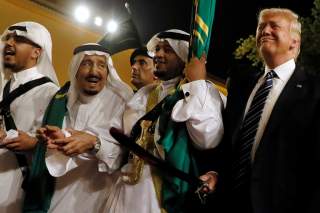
140 51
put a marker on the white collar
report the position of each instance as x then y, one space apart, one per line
284 71
25 76
170 83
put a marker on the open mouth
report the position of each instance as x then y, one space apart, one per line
93 79
8 51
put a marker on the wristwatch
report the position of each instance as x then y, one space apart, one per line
96 146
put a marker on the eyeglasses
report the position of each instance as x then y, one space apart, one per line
20 39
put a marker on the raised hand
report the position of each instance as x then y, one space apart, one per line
196 69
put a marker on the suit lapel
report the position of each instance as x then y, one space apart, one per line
296 88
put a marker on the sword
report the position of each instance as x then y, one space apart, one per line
162 165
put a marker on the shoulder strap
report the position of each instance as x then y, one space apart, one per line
6 101
8 98
155 112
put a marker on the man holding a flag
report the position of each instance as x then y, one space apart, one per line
170 121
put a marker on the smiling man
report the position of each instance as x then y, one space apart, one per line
272 125
88 82
181 115
80 153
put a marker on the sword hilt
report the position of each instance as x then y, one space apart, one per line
202 192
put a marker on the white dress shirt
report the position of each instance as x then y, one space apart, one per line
27 112
284 72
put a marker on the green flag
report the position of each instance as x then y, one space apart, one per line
201 26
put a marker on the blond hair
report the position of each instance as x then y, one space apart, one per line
292 18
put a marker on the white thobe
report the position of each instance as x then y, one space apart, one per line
27 112
83 181
200 109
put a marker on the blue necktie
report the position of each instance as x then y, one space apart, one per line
241 166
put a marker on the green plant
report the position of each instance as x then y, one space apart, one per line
247 49
310 46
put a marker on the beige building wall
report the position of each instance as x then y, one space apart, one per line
66 34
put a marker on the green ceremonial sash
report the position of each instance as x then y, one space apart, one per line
40 185
177 147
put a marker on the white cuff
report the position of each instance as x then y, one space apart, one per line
59 164
194 89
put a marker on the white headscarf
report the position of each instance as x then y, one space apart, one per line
39 35
177 39
113 80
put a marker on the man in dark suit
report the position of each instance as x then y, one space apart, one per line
272 124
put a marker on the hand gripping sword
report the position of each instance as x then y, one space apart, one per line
202 188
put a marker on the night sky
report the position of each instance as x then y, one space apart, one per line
234 19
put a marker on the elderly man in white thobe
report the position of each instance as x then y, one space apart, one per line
81 154
25 62
198 112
